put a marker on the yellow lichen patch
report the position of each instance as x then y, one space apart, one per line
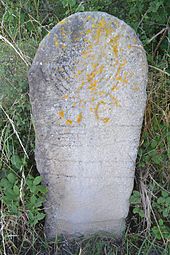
85 54
116 22
93 74
64 21
69 122
61 114
79 72
63 32
101 69
93 25
122 79
115 43
79 117
88 18
115 88
94 65
129 46
115 101
100 26
101 93
82 85
134 40
97 36
106 120
88 31
102 23
56 43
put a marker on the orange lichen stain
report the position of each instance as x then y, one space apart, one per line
56 43
106 120
61 114
79 118
65 97
115 101
93 86
120 67
97 70
63 45
94 65
115 43
97 108
69 122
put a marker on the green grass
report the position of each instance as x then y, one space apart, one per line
23 25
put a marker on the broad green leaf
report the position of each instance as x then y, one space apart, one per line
37 180
11 177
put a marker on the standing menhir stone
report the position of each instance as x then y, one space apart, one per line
88 93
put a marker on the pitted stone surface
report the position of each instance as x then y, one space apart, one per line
88 94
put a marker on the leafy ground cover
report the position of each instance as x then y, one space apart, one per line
23 25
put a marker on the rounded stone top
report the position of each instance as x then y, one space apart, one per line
97 64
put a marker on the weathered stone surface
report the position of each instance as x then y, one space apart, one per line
88 93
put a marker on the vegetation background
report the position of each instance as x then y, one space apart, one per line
23 24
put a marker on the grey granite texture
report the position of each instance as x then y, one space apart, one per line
88 94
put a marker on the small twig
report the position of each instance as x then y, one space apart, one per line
142 19
12 124
160 32
162 38
160 70
3 3
16 50
38 22
2 229
158 184
146 202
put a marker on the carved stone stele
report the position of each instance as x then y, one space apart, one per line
88 94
